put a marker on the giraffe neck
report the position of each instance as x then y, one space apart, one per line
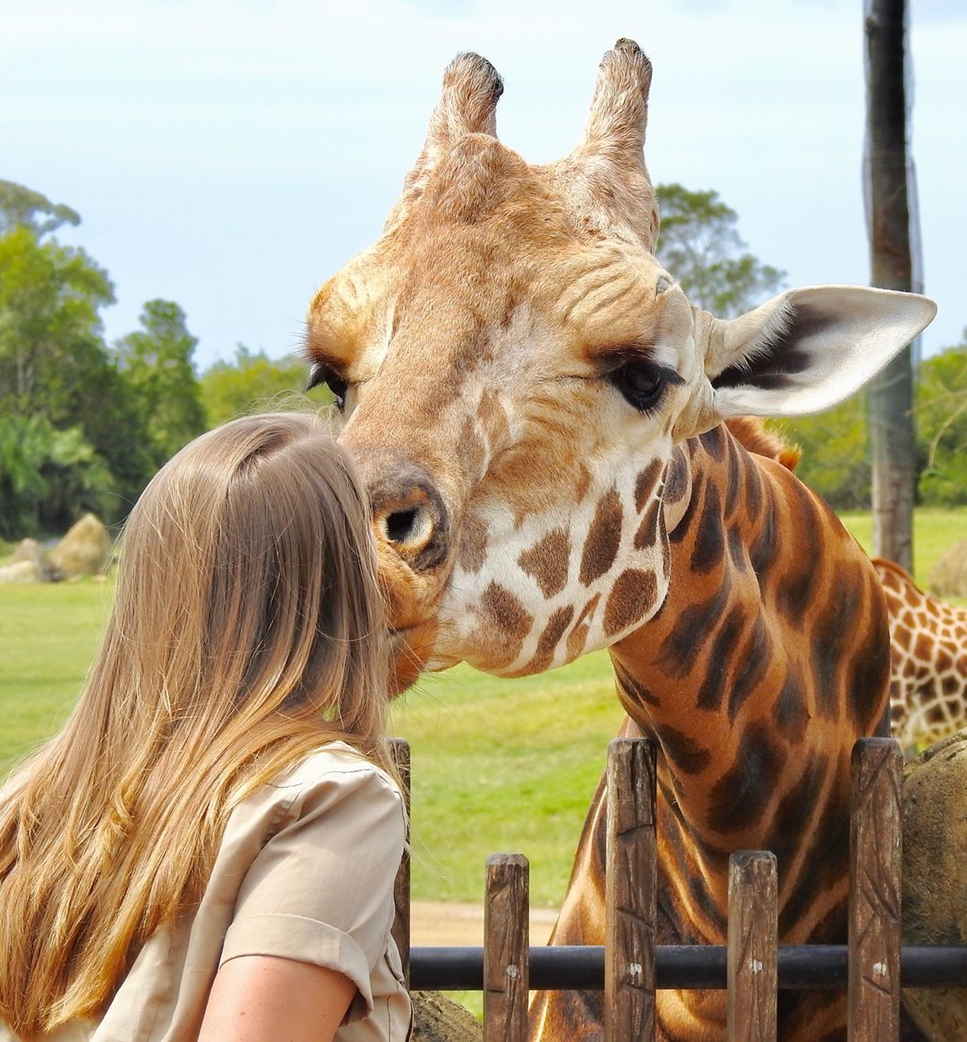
767 660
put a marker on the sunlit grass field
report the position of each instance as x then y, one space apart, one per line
497 765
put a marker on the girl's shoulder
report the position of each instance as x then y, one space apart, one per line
335 763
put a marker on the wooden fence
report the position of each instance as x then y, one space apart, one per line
752 967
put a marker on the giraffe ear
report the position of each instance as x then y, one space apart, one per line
808 349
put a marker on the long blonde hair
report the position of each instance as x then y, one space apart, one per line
247 630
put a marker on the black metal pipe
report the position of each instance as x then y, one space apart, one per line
814 967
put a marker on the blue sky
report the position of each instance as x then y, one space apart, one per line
231 156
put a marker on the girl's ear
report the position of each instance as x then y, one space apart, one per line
808 349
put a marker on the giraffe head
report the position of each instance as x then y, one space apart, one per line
515 369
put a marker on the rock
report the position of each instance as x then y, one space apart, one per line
934 880
85 550
31 550
439 1019
20 572
949 576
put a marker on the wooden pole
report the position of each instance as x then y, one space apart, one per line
891 392
400 750
630 892
753 947
874 892
505 976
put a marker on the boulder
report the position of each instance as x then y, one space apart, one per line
949 576
20 572
85 550
31 550
934 877
439 1019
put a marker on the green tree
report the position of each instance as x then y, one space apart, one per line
49 322
253 381
156 362
835 453
942 426
22 206
47 476
701 247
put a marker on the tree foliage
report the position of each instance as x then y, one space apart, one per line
23 207
83 426
701 247
157 362
251 382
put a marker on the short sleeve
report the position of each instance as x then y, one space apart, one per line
321 889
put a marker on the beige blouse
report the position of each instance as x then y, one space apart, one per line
305 871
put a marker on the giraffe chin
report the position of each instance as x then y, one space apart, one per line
410 650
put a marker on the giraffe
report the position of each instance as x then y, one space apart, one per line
928 638
928 693
536 412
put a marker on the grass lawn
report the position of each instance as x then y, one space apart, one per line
498 765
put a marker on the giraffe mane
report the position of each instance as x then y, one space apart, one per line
892 566
752 433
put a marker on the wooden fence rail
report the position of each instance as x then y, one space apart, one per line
752 967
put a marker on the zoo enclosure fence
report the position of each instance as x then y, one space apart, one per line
751 966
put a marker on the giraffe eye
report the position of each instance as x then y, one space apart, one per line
322 374
641 383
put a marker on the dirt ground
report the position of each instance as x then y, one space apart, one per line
444 923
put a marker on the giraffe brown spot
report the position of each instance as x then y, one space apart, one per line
633 593
830 639
943 661
713 441
935 715
648 529
549 639
584 483
753 488
676 477
733 482
678 533
923 648
796 588
473 544
645 483
547 561
871 667
789 711
753 664
635 691
603 539
717 669
739 798
765 547
902 636
951 685
796 808
579 634
709 547
737 548
684 752
506 612
681 647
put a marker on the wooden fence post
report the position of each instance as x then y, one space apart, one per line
400 751
874 892
506 939
630 892
752 952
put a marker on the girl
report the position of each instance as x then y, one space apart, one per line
207 850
